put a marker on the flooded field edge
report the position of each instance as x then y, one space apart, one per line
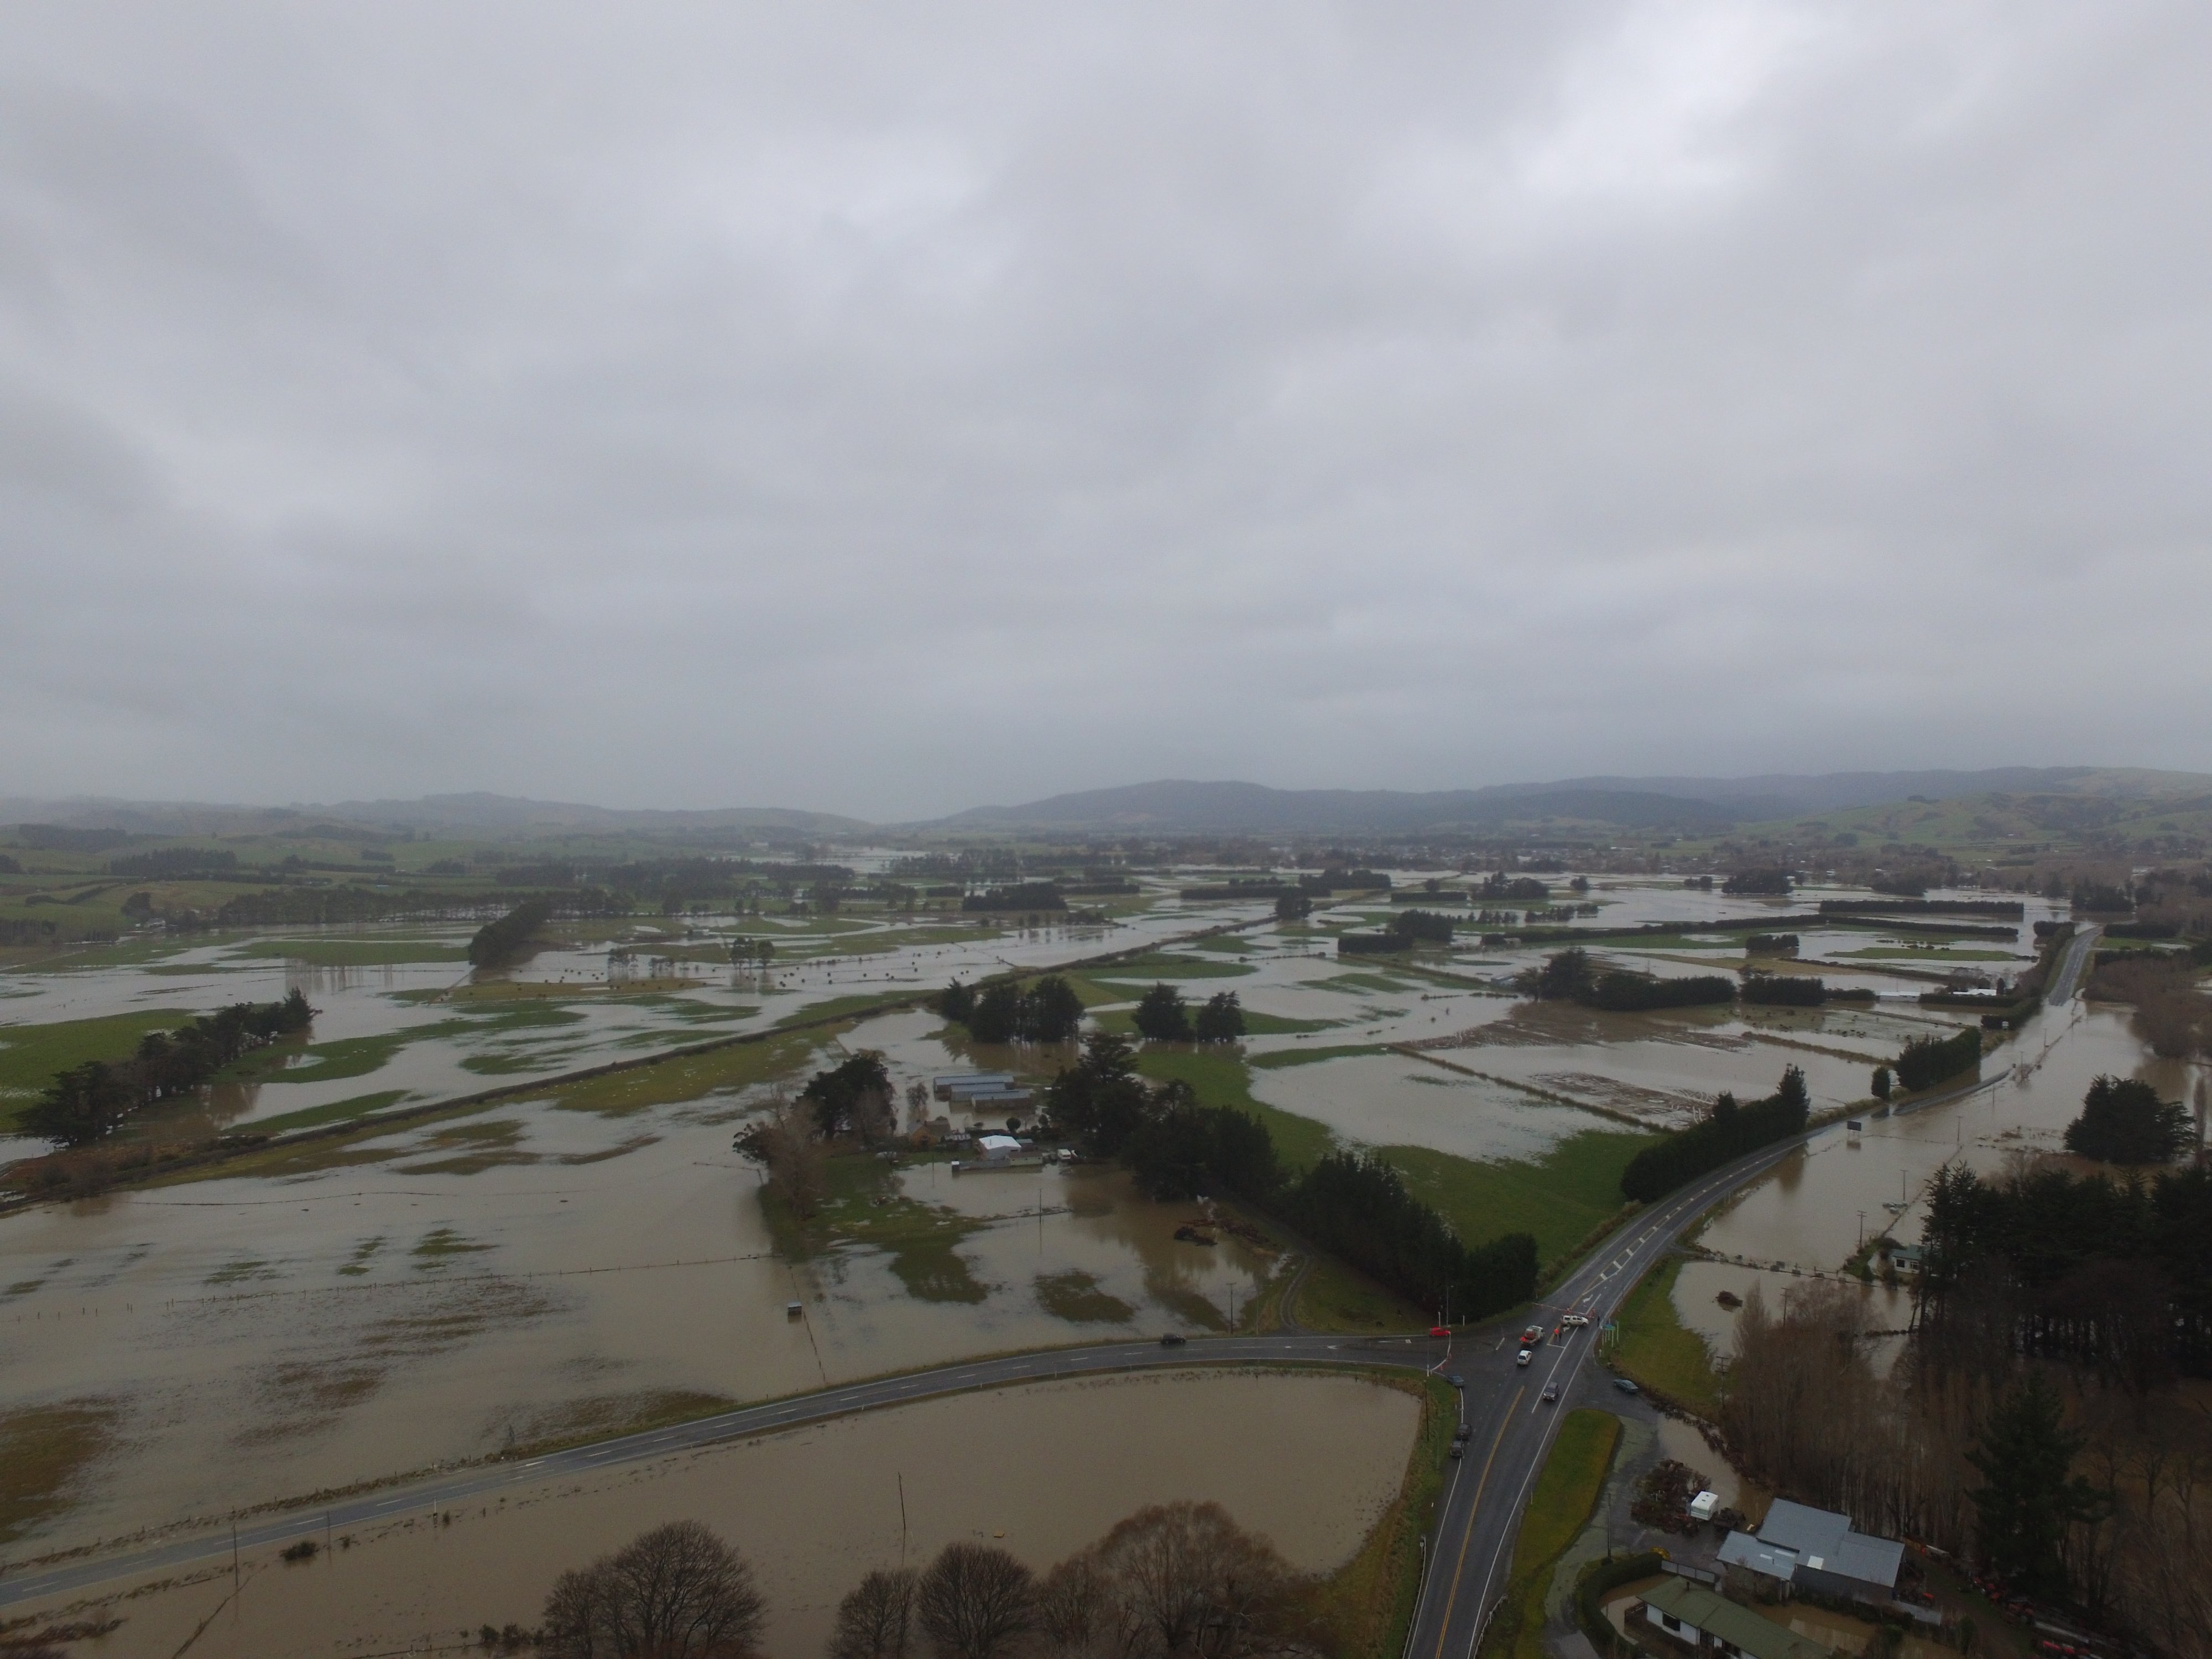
1342 1515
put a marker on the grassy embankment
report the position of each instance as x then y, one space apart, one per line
1661 1354
1559 1507
1368 1602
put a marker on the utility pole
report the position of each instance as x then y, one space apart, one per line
901 1489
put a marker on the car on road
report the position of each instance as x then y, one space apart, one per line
1532 1336
1626 1385
1457 1380
1575 1320
1173 1339
1525 1356
1439 1330
1462 1433
1551 1393
1457 1450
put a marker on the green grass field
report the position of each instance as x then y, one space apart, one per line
1559 1507
1158 965
1219 1078
1283 1057
1337 1297
1656 1349
31 1055
338 1111
689 1076
1561 1199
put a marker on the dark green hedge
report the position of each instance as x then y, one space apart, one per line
1729 1132
1926 1061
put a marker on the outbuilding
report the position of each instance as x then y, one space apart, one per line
1710 1622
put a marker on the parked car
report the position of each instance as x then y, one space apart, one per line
1576 1320
1173 1339
1457 1380
1462 1433
1532 1336
1626 1386
1457 1450
1525 1356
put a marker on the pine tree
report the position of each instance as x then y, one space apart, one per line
2028 1499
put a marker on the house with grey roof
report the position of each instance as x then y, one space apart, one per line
1801 1547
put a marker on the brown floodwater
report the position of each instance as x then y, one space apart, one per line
1390 1100
1041 1470
427 1295
1814 1211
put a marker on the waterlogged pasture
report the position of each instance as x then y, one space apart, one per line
591 1255
344 1309
402 1018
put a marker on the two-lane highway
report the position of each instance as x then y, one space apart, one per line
1512 1423
1471 1549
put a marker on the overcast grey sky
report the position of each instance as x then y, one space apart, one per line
890 409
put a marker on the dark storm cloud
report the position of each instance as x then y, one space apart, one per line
886 411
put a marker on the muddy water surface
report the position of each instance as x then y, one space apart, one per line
1385 1100
1310 1461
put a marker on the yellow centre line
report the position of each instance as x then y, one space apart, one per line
1452 1595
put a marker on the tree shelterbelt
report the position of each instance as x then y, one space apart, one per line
2116 1275
1048 1010
86 1102
1357 1206
1728 1133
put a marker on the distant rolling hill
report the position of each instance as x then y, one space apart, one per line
1688 804
2006 801
1180 807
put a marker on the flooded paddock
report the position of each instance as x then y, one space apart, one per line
1392 1100
1310 1461
1816 1209
451 1289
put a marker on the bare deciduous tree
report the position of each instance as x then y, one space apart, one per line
1188 1580
975 1602
677 1592
875 1620
781 1140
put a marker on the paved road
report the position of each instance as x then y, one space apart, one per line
1511 1426
2071 961
1503 1404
